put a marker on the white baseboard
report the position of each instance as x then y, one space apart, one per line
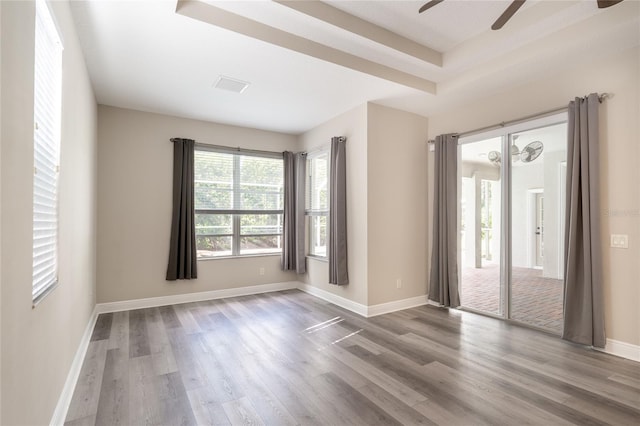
334 298
60 413
396 305
153 302
360 309
622 349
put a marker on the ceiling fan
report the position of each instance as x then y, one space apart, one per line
512 9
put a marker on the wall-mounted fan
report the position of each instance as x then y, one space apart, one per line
512 9
531 151
495 158
515 151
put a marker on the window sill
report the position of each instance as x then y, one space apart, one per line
324 259
244 256
44 294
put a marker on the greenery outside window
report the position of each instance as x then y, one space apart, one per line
238 202
317 201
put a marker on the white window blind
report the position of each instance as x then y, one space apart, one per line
317 201
238 202
46 149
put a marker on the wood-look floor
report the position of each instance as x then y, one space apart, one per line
289 358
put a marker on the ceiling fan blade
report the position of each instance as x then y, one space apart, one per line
429 5
603 4
507 14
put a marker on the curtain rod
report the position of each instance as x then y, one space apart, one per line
321 148
601 98
232 149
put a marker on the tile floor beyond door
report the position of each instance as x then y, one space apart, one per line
535 300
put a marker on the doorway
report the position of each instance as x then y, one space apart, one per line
535 232
511 221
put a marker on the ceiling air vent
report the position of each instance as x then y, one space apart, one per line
231 84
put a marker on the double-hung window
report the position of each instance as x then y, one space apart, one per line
238 202
47 105
317 201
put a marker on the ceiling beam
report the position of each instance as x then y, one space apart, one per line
366 29
221 18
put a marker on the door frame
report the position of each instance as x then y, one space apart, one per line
506 133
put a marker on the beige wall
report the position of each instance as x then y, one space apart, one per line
135 168
396 204
38 345
620 205
386 179
352 125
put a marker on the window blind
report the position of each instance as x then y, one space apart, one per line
46 150
237 183
317 183
317 201
239 199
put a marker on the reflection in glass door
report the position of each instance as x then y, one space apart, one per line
537 216
511 223
480 189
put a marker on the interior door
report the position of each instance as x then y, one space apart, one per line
539 229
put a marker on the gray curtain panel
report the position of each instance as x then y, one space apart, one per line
301 175
293 235
443 282
182 250
338 273
583 299
288 260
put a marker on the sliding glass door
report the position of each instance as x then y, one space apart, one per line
537 232
480 201
511 222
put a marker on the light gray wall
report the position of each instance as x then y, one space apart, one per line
353 125
386 180
38 345
618 74
396 204
135 169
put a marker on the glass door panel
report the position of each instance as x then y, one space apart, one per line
537 216
479 225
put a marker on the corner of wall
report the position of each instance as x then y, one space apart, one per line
353 125
397 187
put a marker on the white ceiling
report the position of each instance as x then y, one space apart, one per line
164 56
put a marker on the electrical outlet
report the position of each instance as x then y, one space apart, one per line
619 241
399 283
261 271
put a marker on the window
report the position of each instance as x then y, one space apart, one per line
317 202
47 105
238 202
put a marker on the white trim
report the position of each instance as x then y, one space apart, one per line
176 299
396 305
334 298
60 413
621 349
364 310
